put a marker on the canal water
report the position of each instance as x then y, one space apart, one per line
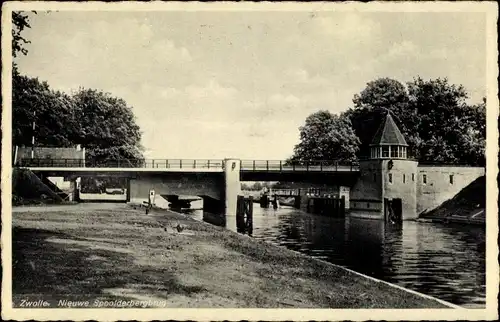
444 261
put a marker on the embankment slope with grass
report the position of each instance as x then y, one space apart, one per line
27 188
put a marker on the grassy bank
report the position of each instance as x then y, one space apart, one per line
120 253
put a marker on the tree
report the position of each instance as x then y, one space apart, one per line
52 112
433 115
103 124
450 130
20 21
326 136
371 106
108 127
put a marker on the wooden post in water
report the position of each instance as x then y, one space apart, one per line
244 215
240 215
249 223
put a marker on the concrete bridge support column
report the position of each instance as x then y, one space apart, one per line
74 192
232 186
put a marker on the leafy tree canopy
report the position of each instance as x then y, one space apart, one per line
326 136
433 115
101 123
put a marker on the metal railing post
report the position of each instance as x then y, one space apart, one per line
152 163
166 163
208 164
253 165
267 165
194 164
321 166
281 167
180 163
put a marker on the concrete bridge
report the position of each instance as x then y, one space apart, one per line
217 181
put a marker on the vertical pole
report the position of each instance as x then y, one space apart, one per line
250 215
208 164
253 165
281 166
194 164
15 155
267 165
33 136
180 163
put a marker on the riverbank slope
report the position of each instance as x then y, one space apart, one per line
120 253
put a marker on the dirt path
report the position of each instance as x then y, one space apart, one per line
111 252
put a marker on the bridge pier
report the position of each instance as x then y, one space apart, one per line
232 185
74 192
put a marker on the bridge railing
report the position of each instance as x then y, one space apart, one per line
124 163
246 165
313 166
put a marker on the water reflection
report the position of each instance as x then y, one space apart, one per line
443 261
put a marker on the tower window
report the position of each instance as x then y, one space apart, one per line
385 151
413 177
390 177
451 179
404 178
424 178
394 151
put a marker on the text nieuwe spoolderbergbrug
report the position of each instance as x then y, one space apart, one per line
94 303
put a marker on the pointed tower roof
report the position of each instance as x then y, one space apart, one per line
388 133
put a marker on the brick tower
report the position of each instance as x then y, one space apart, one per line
387 182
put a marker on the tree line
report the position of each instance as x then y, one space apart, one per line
433 115
105 125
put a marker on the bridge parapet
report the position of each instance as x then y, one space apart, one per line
124 163
257 166
302 166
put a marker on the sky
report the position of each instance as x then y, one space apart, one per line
240 84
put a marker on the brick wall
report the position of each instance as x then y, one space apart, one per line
51 153
442 183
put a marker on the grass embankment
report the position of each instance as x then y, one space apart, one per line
468 206
121 253
28 189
